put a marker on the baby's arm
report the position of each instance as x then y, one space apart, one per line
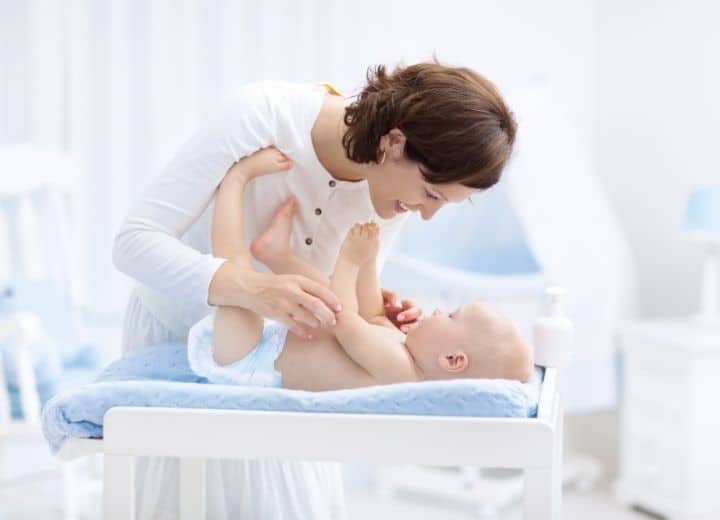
369 294
376 348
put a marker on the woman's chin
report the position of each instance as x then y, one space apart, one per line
384 211
389 210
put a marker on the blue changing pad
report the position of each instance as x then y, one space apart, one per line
160 377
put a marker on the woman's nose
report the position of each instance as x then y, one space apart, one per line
427 213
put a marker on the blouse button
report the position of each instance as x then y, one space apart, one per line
331 184
308 241
318 211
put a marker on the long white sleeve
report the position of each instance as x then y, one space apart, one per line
148 245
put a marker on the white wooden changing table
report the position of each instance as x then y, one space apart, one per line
196 435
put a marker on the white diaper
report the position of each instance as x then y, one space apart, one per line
257 368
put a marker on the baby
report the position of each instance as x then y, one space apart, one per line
362 347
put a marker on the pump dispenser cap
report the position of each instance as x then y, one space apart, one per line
555 300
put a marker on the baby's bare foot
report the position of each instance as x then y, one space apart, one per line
263 162
273 243
361 243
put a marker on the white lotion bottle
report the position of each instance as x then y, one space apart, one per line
554 333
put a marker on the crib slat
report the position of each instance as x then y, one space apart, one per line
30 233
119 487
29 399
192 488
6 261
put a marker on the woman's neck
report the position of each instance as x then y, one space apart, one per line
327 134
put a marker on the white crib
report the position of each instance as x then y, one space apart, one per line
38 209
533 445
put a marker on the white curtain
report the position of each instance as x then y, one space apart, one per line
120 83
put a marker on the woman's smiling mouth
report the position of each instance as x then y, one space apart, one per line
400 207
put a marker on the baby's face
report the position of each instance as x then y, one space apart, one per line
442 329
487 339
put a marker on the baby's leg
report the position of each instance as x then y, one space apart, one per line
272 246
237 330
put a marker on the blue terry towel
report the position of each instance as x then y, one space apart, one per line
160 376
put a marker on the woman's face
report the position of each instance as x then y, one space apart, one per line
398 185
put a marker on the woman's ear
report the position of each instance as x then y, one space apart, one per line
453 363
395 143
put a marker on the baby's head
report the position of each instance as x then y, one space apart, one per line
474 341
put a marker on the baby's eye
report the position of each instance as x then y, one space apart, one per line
431 196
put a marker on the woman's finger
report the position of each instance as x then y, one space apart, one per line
294 327
317 307
302 315
406 327
319 299
391 299
410 315
408 304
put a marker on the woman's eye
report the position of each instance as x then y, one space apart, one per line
431 196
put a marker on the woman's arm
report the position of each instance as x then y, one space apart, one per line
147 246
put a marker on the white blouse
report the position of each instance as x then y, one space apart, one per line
164 242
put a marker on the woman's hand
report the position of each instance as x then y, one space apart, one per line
296 301
403 313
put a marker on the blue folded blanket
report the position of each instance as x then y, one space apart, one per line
160 376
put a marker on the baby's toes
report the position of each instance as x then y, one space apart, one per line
281 159
271 160
283 163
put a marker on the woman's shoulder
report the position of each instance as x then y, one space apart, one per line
279 107
289 102
275 96
282 91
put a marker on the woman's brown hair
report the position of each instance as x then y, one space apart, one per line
456 123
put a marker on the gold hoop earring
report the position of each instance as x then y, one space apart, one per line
382 161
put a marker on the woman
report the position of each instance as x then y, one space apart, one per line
413 140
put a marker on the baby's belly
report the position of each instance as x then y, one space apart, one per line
319 364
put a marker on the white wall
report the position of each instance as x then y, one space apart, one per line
512 43
659 133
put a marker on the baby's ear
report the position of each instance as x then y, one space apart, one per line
455 362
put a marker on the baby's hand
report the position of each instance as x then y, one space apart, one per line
263 162
361 243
